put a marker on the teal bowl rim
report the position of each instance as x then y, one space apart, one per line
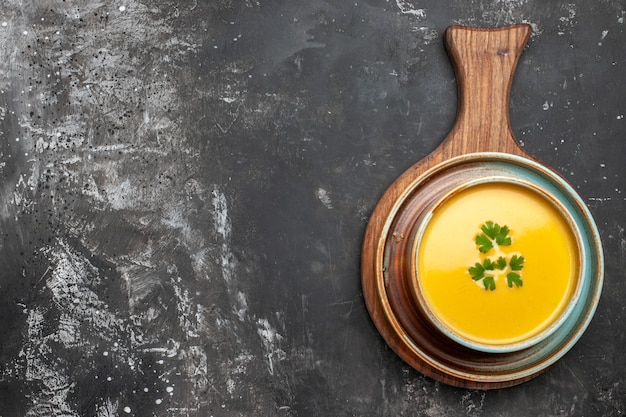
581 278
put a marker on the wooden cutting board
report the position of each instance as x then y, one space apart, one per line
484 62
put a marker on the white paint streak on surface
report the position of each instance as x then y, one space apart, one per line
271 342
408 7
84 321
606 199
566 23
121 195
223 228
185 309
71 283
428 34
241 306
324 197
69 330
195 364
602 36
230 386
108 409
220 216
52 398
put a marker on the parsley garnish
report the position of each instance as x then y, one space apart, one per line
494 236
478 270
501 263
517 263
492 232
484 243
514 278
489 283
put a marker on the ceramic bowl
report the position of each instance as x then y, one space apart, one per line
558 315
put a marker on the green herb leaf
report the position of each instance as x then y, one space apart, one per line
477 271
517 263
484 243
500 263
514 278
489 283
488 264
502 238
490 229
492 232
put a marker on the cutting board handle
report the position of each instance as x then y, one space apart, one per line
484 62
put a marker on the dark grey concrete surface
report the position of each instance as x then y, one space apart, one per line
185 186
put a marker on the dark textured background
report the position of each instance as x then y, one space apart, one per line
185 187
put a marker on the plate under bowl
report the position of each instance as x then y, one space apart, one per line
389 296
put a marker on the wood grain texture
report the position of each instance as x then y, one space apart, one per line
484 61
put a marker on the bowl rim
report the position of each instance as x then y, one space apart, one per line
546 330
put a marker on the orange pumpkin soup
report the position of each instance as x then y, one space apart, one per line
497 264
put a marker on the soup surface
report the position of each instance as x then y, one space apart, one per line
497 263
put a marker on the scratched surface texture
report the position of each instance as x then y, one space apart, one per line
185 186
